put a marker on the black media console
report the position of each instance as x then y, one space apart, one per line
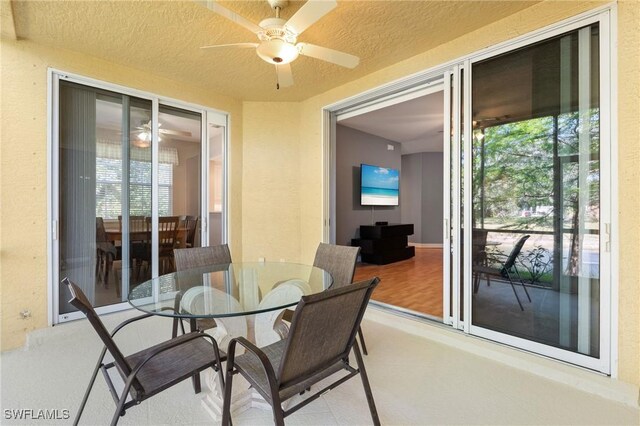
382 244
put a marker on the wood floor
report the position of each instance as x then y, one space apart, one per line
414 284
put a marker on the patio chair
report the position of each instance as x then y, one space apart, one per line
340 262
197 257
322 334
150 371
505 271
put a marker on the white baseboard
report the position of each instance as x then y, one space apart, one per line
557 371
425 245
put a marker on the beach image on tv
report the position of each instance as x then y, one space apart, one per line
379 186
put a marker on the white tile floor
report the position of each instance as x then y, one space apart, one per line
415 381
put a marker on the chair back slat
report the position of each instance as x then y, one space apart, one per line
80 301
190 223
323 330
511 260
339 261
198 257
101 233
136 224
167 230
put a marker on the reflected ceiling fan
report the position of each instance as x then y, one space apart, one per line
278 38
144 134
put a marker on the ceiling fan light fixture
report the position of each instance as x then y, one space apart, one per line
276 51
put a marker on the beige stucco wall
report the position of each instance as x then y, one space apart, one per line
528 20
23 169
270 178
629 190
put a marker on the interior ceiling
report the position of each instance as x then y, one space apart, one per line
163 38
416 124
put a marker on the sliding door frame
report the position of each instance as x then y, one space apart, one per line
208 115
607 225
606 17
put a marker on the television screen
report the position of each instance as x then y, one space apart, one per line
379 186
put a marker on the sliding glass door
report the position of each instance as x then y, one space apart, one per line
129 186
536 277
104 191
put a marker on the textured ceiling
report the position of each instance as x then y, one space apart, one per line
163 38
416 124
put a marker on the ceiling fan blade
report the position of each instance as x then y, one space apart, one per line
232 16
285 77
329 55
176 132
241 45
308 14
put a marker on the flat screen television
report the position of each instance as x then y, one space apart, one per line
379 186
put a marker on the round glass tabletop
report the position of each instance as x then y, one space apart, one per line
227 290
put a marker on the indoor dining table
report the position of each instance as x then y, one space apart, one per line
245 299
115 235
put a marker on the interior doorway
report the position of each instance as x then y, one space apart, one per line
390 171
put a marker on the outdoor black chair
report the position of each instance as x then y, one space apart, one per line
151 370
504 271
322 334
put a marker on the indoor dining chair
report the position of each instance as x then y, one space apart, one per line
149 371
106 254
322 334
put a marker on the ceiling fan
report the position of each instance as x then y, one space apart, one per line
144 134
278 38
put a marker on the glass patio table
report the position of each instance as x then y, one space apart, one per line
245 299
229 290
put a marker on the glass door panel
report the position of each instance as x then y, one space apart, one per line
179 183
216 184
135 196
536 193
99 168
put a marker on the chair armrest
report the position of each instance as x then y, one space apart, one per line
129 321
158 351
266 364
172 345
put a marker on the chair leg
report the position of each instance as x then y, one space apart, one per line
120 407
195 379
276 405
366 386
88 391
522 283
226 406
107 268
361 336
97 263
514 291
